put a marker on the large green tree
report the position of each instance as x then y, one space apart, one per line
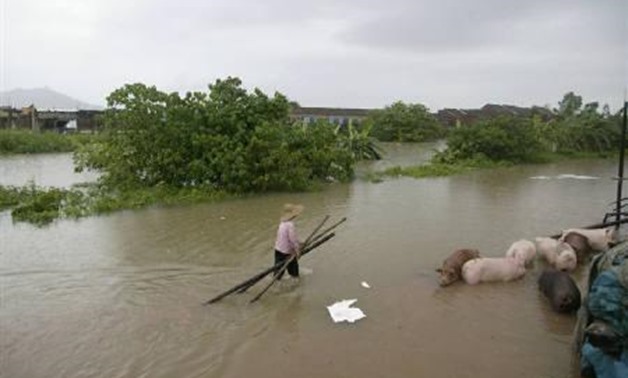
578 127
228 139
569 106
402 122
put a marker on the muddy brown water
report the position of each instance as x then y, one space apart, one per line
120 295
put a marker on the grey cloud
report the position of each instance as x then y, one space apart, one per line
359 53
450 24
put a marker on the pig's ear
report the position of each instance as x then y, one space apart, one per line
439 270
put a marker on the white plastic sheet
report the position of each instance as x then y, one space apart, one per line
342 311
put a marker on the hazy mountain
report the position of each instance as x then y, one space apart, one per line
42 98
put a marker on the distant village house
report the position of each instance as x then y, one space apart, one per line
57 120
68 120
337 116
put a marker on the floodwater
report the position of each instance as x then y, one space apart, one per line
42 169
120 295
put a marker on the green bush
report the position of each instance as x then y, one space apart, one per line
226 139
504 138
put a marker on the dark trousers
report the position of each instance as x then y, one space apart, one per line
293 266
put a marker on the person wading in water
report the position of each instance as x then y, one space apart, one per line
287 244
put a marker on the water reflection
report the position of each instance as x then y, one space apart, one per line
42 169
223 235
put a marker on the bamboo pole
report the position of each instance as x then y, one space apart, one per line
281 270
275 277
265 272
332 227
317 237
309 238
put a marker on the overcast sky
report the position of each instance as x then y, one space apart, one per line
351 53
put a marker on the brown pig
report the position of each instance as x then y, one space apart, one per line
451 271
580 245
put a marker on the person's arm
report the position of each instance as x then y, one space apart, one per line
294 240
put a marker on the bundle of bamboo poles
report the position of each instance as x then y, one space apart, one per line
314 240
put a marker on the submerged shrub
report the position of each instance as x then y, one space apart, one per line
226 139
504 138
40 206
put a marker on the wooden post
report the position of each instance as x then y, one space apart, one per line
620 174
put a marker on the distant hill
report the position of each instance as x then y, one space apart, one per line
42 98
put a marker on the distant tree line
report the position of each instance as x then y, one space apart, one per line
573 128
570 127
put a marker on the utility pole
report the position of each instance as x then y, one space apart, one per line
620 174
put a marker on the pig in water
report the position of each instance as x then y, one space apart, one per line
451 270
547 248
580 245
523 251
560 289
567 260
492 269
558 254
599 238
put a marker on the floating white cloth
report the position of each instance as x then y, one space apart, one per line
342 311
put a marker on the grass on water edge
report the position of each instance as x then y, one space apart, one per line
29 142
436 169
40 205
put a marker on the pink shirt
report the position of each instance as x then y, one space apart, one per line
287 241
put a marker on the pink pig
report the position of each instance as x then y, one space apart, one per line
523 251
492 269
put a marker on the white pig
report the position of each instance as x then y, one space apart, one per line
547 248
523 251
599 238
566 260
492 269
